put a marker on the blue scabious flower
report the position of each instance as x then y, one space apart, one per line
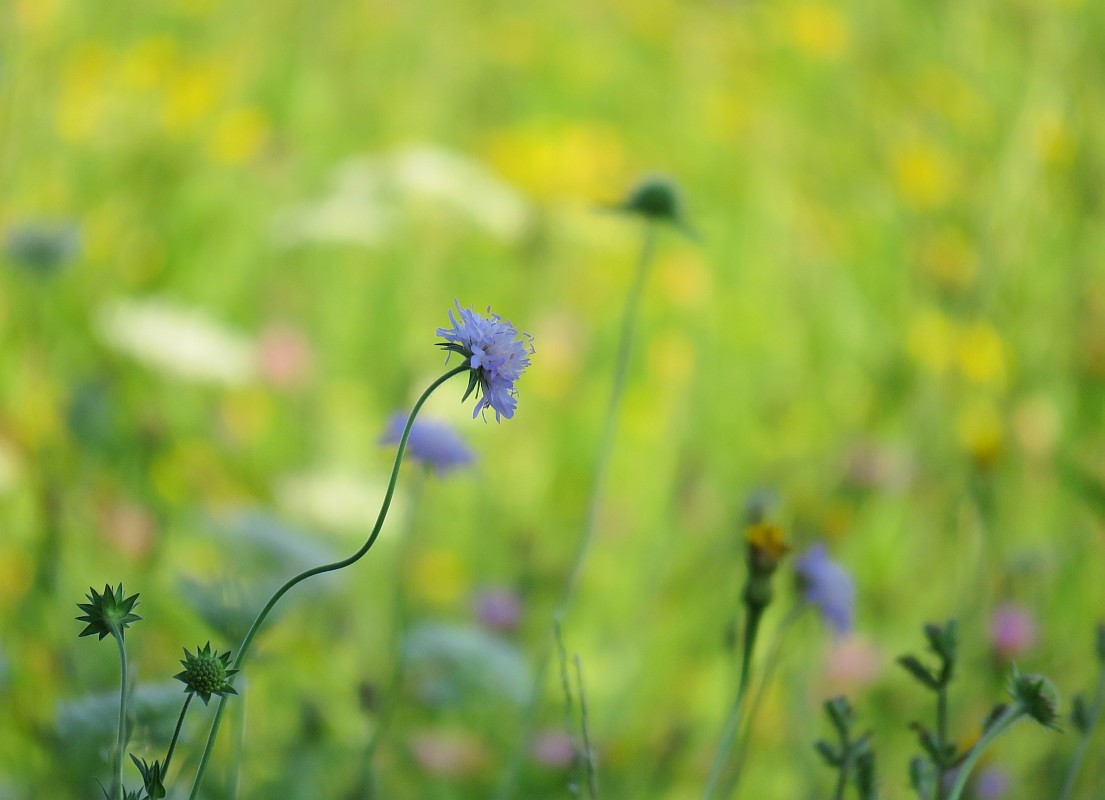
431 442
496 356
827 586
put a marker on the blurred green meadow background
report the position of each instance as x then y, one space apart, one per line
232 229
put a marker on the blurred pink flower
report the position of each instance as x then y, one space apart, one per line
284 356
131 528
498 608
553 748
448 754
851 663
1012 631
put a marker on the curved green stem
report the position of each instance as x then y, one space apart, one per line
176 734
121 737
345 562
587 535
732 720
1000 725
1084 742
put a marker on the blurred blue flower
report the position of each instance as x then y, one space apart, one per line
496 356
991 784
431 442
42 248
828 586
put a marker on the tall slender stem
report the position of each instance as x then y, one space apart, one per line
253 629
121 737
176 734
732 720
941 735
1000 725
771 663
598 485
1084 742
585 729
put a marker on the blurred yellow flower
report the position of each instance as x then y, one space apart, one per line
1054 142
980 429
686 280
1037 426
551 160
148 63
671 357
190 94
923 175
440 577
238 136
247 414
819 30
35 15
765 544
16 571
981 354
83 96
931 341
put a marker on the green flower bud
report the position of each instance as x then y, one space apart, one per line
206 673
659 200
152 779
1038 697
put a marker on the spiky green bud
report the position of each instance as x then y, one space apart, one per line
107 614
1037 696
152 779
206 673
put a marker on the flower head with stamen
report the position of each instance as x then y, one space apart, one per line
494 353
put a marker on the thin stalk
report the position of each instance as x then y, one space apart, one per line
585 728
842 779
253 629
1000 725
569 711
732 720
1084 742
239 745
771 663
399 624
121 737
941 734
598 485
176 734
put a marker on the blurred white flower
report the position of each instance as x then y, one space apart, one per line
332 499
182 342
368 196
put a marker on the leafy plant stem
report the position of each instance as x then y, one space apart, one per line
941 734
767 673
732 720
252 632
